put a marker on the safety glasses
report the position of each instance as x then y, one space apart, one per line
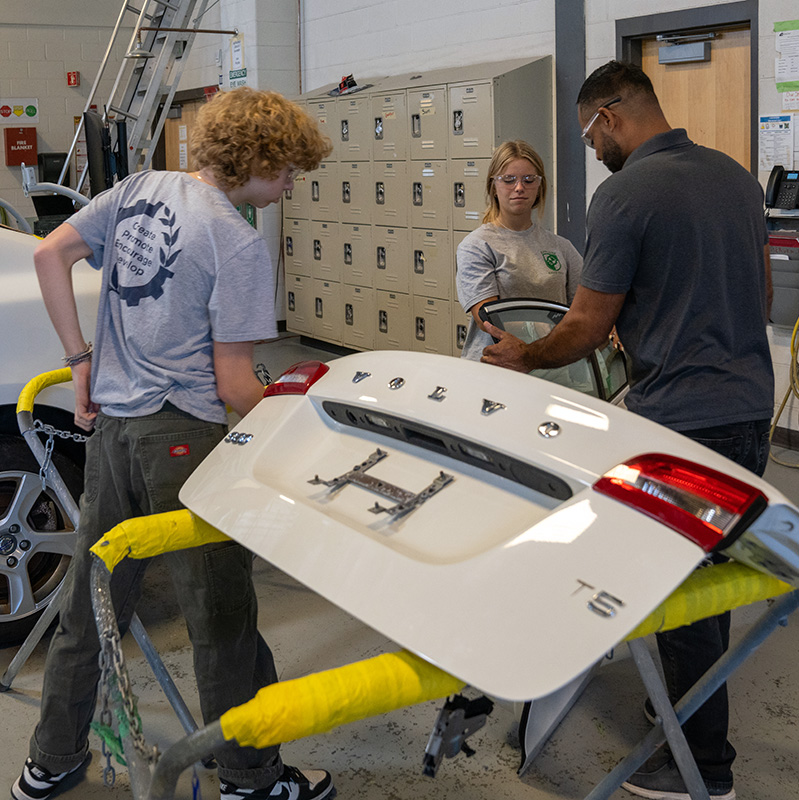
587 140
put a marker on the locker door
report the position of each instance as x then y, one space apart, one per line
393 331
390 127
327 311
357 192
431 326
358 255
359 317
430 194
297 246
431 254
325 251
355 128
326 115
428 130
391 258
297 202
299 304
390 194
325 192
468 193
471 121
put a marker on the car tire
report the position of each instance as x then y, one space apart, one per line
37 539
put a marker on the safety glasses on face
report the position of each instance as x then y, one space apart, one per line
292 173
587 140
512 180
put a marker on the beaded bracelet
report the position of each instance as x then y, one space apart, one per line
79 358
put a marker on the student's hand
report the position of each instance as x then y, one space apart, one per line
509 352
85 409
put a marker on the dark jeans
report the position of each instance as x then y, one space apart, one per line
687 653
135 467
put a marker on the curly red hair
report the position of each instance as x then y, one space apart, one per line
246 132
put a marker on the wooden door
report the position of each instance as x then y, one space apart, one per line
177 133
710 99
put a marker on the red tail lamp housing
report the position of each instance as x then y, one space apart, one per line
297 379
705 506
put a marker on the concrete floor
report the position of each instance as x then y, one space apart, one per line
381 757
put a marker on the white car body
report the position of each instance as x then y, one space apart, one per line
31 344
514 590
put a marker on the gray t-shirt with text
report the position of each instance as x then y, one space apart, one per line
181 269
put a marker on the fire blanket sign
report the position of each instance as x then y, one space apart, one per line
19 111
20 146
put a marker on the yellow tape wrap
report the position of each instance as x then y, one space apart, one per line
707 592
317 703
143 537
35 385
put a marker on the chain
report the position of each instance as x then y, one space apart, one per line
114 660
52 432
109 773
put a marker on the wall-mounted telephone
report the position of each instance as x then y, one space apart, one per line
782 190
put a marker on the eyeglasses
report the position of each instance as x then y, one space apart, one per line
512 180
292 173
587 140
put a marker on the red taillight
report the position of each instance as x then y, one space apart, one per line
700 503
297 379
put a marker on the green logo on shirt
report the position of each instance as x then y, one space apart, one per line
551 260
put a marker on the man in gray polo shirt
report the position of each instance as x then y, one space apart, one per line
676 258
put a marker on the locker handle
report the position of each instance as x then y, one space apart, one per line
291 303
460 195
417 194
317 250
315 191
418 262
289 246
416 126
345 191
378 127
381 257
457 122
420 328
318 307
349 314
380 193
347 253
345 130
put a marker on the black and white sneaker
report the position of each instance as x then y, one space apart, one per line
293 784
38 783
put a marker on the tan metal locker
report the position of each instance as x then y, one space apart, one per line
431 253
471 121
468 196
359 317
357 255
326 248
460 327
354 128
357 192
297 247
431 326
326 115
325 192
390 127
297 201
299 304
390 195
327 311
430 194
391 256
427 128
393 331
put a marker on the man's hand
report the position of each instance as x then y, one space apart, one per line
509 352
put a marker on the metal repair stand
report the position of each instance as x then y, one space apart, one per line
53 477
667 727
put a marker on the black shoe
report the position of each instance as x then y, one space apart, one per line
293 784
666 783
38 783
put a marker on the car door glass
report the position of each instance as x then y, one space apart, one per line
613 369
531 323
